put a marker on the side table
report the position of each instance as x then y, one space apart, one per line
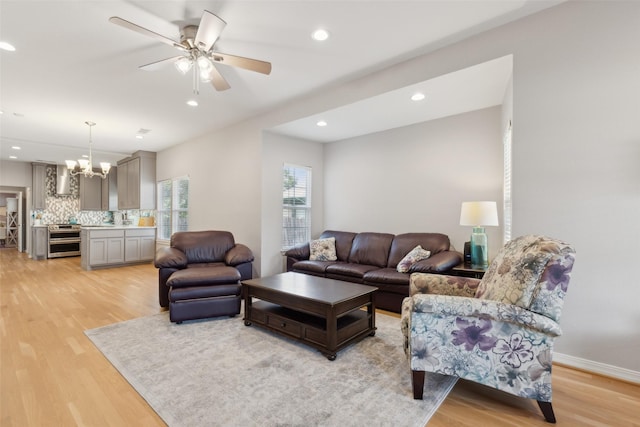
466 270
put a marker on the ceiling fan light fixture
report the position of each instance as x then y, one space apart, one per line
184 64
196 45
204 64
205 77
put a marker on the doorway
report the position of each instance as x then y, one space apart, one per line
12 220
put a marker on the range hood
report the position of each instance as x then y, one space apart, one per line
63 180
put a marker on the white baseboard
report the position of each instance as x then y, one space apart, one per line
597 367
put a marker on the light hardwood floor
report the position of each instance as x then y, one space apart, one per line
52 375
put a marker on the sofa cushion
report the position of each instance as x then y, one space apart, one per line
349 269
323 249
196 292
371 249
203 276
403 243
386 276
203 246
312 267
344 240
416 254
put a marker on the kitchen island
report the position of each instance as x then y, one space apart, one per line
106 246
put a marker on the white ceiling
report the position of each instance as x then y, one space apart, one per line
71 65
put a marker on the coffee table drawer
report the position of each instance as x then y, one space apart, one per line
282 324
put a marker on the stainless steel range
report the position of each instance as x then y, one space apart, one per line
64 240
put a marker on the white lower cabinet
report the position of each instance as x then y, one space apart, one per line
139 245
103 248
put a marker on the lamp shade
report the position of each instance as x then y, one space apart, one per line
479 214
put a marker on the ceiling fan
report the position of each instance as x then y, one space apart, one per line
196 44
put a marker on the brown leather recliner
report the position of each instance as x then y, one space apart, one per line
199 274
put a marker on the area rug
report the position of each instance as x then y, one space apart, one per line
219 372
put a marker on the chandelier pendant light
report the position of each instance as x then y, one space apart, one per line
85 166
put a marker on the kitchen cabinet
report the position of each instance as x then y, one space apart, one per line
101 247
109 200
39 243
139 244
90 193
39 185
116 246
137 181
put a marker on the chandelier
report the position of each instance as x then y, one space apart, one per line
85 166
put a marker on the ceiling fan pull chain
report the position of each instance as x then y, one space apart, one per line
196 81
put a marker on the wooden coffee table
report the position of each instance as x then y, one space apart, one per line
324 313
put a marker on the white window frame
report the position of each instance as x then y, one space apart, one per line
506 186
175 211
296 232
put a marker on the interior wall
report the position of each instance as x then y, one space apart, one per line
576 175
276 151
415 178
15 174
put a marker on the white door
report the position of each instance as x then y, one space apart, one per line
20 222
28 224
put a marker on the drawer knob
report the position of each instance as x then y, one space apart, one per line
283 324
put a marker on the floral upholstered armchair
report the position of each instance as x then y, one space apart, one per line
498 331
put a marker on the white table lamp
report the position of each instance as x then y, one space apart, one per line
478 215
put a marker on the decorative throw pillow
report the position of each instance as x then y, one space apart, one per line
323 249
416 254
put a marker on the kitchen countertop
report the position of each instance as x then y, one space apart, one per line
114 227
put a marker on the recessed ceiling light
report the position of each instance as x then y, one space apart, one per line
320 35
321 123
15 147
417 96
12 157
85 156
139 137
7 46
192 103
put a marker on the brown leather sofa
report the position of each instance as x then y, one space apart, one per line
199 274
372 258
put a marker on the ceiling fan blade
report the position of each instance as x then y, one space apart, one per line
209 30
153 66
137 28
239 61
217 81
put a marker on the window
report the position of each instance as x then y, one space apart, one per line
296 205
173 207
506 187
